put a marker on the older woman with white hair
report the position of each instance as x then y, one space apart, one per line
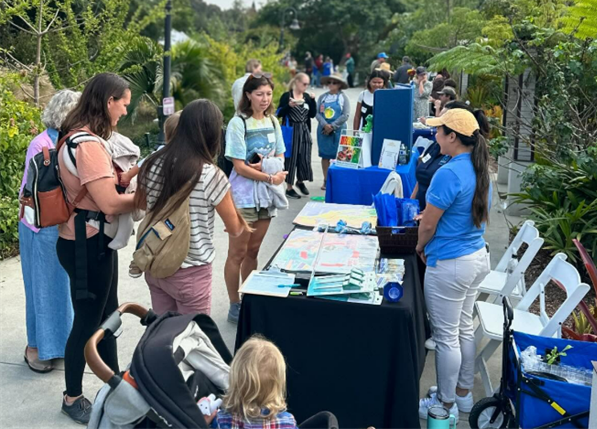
49 311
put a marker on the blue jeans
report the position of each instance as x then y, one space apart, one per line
47 292
316 79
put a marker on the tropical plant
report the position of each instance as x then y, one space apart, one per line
477 96
584 326
193 74
562 199
581 19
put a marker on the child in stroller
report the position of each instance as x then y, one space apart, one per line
256 397
180 359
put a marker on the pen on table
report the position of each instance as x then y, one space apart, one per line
297 293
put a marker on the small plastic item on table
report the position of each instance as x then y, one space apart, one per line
393 291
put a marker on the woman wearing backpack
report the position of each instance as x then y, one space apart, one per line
249 138
49 312
186 162
93 272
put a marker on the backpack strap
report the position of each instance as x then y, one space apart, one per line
273 122
244 125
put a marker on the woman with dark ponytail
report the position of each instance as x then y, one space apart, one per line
451 244
429 162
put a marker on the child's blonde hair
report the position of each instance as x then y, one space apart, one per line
257 380
170 126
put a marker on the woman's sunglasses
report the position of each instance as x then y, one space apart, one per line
260 75
333 82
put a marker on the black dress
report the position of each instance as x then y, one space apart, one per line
298 164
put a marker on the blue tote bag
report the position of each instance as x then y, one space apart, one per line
287 131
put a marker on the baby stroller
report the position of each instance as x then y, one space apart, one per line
179 360
535 399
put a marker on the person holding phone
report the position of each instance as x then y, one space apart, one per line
250 136
423 90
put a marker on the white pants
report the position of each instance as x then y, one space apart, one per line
450 291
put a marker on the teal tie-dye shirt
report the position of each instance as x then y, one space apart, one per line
262 138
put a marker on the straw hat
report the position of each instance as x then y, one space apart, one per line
325 80
385 67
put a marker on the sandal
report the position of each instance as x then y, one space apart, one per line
39 366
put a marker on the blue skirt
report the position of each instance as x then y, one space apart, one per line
49 310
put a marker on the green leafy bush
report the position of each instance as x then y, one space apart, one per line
562 198
19 123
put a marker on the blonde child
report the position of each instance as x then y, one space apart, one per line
126 177
256 398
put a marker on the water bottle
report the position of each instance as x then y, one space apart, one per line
440 418
402 157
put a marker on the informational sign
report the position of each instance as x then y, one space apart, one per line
168 106
349 149
389 154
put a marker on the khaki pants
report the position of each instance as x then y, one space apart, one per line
450 292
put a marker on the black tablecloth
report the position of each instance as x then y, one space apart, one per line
361 362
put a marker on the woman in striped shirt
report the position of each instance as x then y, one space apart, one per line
188 157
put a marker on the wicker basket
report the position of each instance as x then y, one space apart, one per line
397 239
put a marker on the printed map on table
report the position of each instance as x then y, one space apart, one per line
339 253
354 215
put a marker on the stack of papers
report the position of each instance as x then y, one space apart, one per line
357 287
268 283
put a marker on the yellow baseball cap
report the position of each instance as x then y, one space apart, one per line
460 120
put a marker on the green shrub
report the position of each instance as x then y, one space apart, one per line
19 123
562 198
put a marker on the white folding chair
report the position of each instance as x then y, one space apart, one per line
508 277
491 315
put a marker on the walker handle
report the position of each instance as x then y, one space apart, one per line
109 327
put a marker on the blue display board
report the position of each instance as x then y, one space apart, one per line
392 118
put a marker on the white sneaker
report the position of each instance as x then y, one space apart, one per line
428 402
465 403
430 344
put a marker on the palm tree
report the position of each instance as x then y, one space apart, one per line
193 75
142 68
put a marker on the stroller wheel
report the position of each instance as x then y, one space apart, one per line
488 413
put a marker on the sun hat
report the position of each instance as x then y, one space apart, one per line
448 90
382 55
460 120
385 67
334 76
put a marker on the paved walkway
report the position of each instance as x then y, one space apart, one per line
33 400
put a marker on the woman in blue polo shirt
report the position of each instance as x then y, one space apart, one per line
451 244
433 158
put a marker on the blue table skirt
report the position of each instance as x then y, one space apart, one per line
348 186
